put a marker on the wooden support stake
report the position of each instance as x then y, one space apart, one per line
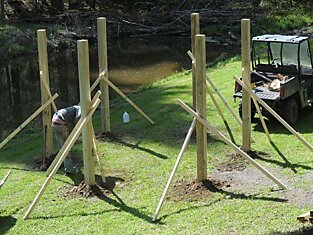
95 152
262 119
304 218
56 159
103 66
230 109
180 155
44 73
282 121
27 121
45 85
246 98
97 81
85 101
4 179
200 56
228 142
61 156
128 100
195 29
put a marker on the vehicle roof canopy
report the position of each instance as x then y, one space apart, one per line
279 38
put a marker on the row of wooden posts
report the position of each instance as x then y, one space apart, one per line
199 79
201 85
88 107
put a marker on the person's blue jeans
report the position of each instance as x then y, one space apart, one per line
61 133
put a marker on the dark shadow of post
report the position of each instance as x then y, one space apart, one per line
288 164
6 223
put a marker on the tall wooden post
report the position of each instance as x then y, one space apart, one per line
103 65
200 55
85 102
195 29
44 75
246 98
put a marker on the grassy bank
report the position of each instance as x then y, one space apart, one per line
138 161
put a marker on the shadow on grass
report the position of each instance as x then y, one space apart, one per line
6 223
117 202
303 124
285 164
209 185
115 139
302 231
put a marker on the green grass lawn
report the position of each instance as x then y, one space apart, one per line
140 160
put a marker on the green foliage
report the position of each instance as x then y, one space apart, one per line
287 4
282 21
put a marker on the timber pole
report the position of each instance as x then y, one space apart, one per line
246 98
44 75
200 56
103 66
85 101
195 29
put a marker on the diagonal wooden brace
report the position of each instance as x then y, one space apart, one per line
282 121
45 85
180 155
228 142
127 99
27 121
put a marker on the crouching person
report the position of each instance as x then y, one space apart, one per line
63 122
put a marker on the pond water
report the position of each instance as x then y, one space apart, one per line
133 62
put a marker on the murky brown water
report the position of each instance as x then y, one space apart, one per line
133 62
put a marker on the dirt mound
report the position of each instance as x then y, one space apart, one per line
100 189
193 191
236 162
83 190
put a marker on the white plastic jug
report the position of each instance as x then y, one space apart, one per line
126 117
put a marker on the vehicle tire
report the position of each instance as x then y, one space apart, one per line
253 110
290 110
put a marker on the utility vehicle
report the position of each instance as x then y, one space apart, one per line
282 74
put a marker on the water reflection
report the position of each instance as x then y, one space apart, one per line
133 62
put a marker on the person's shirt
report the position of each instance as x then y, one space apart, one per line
68 116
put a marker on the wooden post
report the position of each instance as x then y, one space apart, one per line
246 99
103 66
55 160
85 101
195 29
44 74
61 156
200 55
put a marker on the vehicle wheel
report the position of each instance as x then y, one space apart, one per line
253 110
289 110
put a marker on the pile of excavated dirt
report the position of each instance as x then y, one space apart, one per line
84 190
193 191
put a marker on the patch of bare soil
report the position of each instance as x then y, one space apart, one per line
81 190
38 163
252 182
236 162
194 191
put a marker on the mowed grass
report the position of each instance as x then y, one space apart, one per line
141 158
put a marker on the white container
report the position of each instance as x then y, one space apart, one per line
126 117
